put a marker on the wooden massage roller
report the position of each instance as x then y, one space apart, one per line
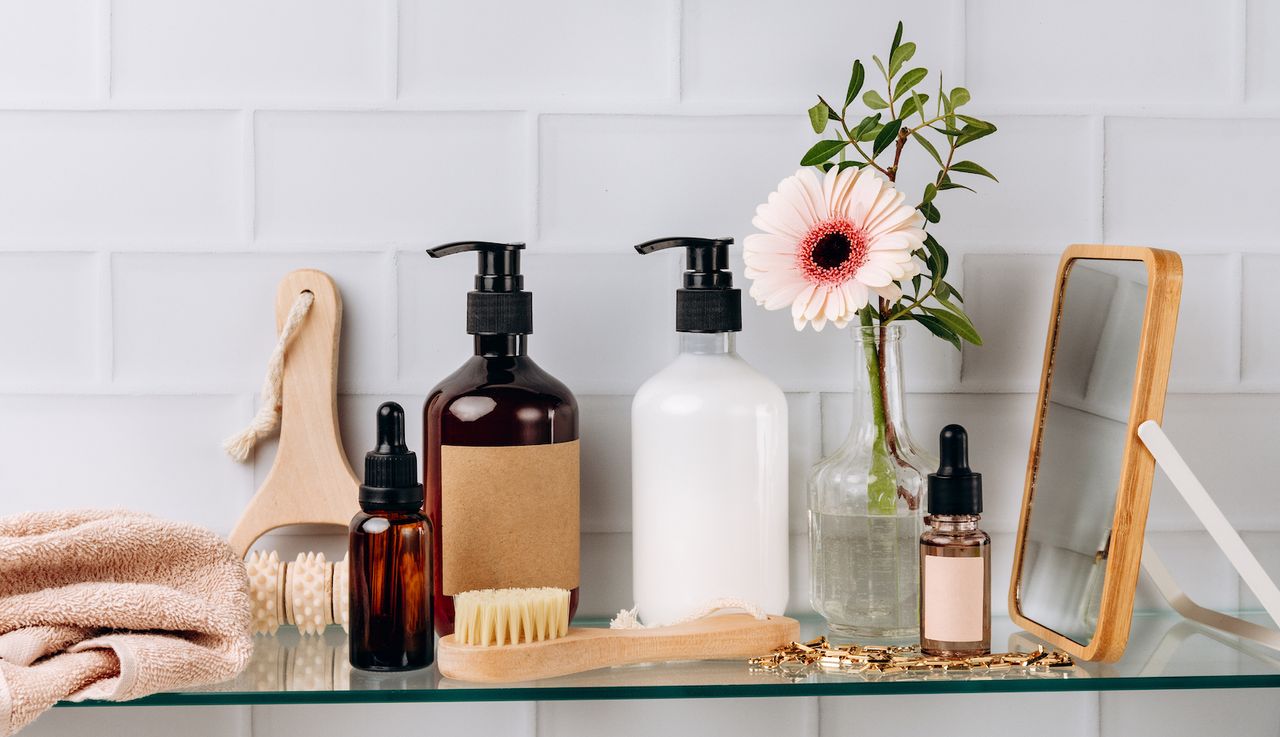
309 592
311 481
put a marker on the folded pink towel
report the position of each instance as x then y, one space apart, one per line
114 605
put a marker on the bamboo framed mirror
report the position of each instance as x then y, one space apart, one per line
1088 482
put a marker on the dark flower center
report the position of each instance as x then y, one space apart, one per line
831 250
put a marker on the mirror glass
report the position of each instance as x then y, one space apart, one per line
1086 423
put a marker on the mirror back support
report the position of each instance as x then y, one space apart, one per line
1121 554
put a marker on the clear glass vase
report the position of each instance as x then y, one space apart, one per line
866 506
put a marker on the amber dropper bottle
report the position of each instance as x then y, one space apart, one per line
390 557
955 557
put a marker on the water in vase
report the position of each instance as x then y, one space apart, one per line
865 574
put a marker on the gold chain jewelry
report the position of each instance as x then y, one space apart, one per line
799 657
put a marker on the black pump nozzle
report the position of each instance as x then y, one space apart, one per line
954 489
707 303
391 469
498 305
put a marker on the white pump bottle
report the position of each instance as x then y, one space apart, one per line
709 459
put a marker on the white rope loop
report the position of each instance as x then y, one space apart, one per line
265 422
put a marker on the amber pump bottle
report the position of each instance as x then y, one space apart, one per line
501 450
955 557
390 557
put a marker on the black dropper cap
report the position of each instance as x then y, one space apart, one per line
707 303
391 469
954 489
498 305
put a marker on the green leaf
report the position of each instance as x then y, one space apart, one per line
821 151
959 96
941 291
920 101
915 283
952 185
958 312
927 146
956 323
931 213
938 328
913 104
900 56
873 100
969 167
939 256
976 122
886 136
865 125
969 134
909 79
954 293
818 117
870 133
851 164
855 82
880 64
897 39
930 192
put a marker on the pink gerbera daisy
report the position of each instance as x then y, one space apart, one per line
830 243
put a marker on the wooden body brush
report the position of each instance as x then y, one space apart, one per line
513 635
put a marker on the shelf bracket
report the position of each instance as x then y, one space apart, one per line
1220 529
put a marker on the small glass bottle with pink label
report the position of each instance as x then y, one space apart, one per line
955 557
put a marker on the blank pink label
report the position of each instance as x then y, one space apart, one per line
953 593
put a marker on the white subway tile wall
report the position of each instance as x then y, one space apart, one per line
163 164
49 50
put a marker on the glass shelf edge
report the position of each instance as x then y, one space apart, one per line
1165 653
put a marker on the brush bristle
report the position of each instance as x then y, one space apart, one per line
510 616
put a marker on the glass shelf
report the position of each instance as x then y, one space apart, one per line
1165 652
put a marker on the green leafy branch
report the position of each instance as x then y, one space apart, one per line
888 127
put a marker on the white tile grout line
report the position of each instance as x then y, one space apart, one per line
1099 177
533 178
393 297
1237 272
249 176
675 70
105 369
103 49
246 721
1269 111
392 82
1240 59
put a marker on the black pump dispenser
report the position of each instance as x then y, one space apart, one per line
707 303
498 305
391 469
954 489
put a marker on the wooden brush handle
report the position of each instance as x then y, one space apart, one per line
311 481
725 637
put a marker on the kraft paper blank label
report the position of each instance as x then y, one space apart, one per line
509 516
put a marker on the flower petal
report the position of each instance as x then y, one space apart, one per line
873 275
856 295
800 304
768 243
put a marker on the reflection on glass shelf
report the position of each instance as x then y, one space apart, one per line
1165 651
